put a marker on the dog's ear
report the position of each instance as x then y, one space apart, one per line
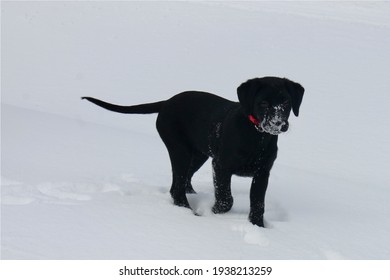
246 96
296 92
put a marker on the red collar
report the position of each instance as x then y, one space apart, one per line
253 120
256 123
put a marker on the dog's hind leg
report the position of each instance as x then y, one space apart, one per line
197 160
185 160
181 162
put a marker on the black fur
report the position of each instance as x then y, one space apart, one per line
197 125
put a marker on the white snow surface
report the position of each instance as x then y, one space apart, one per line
80 182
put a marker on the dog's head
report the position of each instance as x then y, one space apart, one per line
268 101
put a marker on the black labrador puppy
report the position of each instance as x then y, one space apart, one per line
241 137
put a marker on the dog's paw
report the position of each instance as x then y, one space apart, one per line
256 220
221 207
181 202
184 204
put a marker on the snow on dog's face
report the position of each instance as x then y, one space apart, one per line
268 102
274 118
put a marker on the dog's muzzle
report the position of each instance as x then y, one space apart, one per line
274 125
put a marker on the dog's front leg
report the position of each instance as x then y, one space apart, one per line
257 197
223 194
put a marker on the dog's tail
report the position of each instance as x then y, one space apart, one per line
148 108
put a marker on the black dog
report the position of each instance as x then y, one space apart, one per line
241 137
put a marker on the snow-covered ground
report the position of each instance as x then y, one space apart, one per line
79 182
